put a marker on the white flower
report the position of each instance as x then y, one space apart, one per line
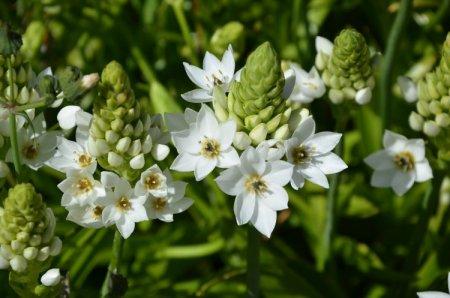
159 150
214 73
258 187
324 45
73 116
178 122
20 120
36 146
51 278
123 207
311 155
401 163
153 182
308 86
73 156
205 145
80 188
363 96
165 204
435 294
408 88
271 149
88 216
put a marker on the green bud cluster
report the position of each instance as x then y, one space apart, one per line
231 33
255 102
348 69
15 78
26 229
119 132
433 105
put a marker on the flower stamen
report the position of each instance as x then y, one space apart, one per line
97 212
84 160
159 203
300 155
123 204
30 151
152 181
210 148
404 161
255 184
84 185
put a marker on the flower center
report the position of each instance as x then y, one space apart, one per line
159 204
123 204
97 212
152 181
30 151
217 79
404 161
210 148
255 184
84 160
300 155
84 185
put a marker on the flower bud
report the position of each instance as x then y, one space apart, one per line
415 121
18 263
51 278
431 129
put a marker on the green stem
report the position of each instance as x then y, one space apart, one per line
388 63
253 270
341 123
177 6
113 265
33 105
439 15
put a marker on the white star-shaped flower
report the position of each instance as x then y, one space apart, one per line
164 206
205 145
123 208
80 188
88 216
308 86
258 187
215 72
435 294
36 146
73 156
73 116
311 155
153 182
399 164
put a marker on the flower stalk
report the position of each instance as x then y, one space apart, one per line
117 248
253 266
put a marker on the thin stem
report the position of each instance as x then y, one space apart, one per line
33 105
439 15
388 63
177 6
113 264
341 123
253 274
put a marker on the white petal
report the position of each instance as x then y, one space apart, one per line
228 62
137 162
402 182
175 122
181 205
323 142
204 167
289 83
228 158
244 207
432 294
197 96
423 171
278 172
264 219
380 160
324 45
160 152
187 141
227 131
408 88
297 180
67 116
51 278
276 199
196 75
305 129
315 175
382 178
363 96
211 64
330 163
184 162
138 213
252 162
417 148
207 122
390 138
125 227
231 181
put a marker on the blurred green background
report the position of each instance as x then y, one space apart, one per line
381 246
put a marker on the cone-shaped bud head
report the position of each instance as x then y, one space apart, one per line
119 130
434 103
349 68
231 33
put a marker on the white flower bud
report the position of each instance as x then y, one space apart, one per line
415 121
137 162
135 148
422 108
51 278
147 144
160 151
35 240
363 96
138 129
111 136
408 88
30 253
128 130
123 144
34 96
102 146
258 134
88 81
114 159
431 129
55 246
443 120
336 96
241 140
17 246
24 96
282 132
4 264
6 251
43 253
18 263
8 90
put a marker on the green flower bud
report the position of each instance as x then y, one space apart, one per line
348 69
26 233
119 130
231 33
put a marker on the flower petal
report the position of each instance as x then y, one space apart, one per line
125 227
231 181
67 116
264 219
196 75
276 198
187 141
204 167
382 178
175 122
402 182
417 148
184 162
278 172
423 171
228 62
211 64
380 160
252 162
330 163
305 129
244 207
227 130
297 179
181 205
433 294
390 138
315 175
323 142
197 96
324 45
228 158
